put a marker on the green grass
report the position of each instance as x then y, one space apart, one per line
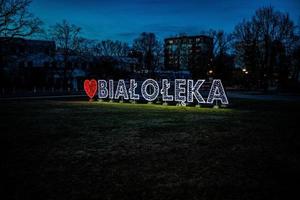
83 150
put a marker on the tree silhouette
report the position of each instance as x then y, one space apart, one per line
16 20
111 48
150 48
222 63
68 41
261 41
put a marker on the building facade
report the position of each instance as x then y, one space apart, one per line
189 53
38 65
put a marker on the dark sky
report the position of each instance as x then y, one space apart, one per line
125 19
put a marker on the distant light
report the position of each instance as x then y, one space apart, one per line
210 71
244 70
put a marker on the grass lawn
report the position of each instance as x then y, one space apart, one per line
81 150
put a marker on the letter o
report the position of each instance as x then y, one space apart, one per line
145 94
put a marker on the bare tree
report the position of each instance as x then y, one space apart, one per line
246 48
111 48
158 54
68 41
16 20
151 49
259 42
296 56
222 41
85 48
222 63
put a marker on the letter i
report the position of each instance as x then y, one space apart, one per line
111 89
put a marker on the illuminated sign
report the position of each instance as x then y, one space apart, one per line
90 87
180 90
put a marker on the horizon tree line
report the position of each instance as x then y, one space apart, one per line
266 46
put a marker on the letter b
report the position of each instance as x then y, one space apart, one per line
102 89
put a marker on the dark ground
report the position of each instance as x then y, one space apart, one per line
82 150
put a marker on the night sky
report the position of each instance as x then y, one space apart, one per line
124 20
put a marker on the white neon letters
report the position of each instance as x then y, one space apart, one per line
132 89
150 93
102 89
164 90
111 89
193 90
179 90
121 90
217 92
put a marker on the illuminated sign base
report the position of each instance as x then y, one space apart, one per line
181 91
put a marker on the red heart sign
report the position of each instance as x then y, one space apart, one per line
90 87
